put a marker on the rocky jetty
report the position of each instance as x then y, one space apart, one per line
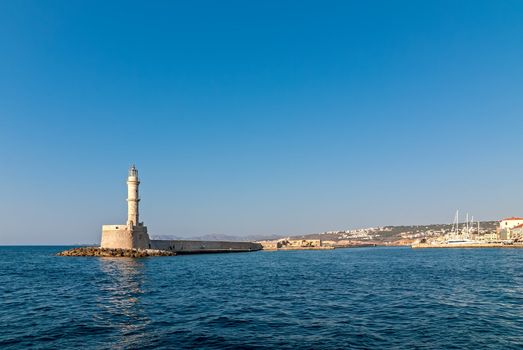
115 253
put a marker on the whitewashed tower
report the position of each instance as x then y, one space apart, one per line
132 197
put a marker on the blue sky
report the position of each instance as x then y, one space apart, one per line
257 117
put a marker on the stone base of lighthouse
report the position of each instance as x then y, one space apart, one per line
125 237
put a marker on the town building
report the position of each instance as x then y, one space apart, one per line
506 226
517 232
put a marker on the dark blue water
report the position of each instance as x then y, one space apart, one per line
353 298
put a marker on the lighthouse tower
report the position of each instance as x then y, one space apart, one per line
133 234
132 197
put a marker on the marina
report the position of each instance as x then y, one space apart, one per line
468 236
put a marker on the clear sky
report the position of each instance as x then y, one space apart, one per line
257 117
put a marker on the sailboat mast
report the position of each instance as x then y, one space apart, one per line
457 223
467 225
453 225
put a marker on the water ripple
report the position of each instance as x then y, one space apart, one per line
372 298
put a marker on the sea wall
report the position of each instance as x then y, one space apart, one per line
194 247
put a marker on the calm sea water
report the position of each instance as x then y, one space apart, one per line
349 298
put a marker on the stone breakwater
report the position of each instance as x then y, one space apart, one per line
202 247
115 252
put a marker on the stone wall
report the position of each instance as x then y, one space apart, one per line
141 238
270 245
121 236
302 243
116 236
192 247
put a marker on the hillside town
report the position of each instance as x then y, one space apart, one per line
506 231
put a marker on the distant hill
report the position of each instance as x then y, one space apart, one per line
390 234
384 234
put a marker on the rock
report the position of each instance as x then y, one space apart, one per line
108 252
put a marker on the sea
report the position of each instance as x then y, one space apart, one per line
356 298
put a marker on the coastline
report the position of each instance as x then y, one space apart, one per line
453 246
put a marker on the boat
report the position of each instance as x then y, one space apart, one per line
462 241
461 237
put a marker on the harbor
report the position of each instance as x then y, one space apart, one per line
509 234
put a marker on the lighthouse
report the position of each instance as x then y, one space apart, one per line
132 197
133 234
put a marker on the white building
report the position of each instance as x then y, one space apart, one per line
506 225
